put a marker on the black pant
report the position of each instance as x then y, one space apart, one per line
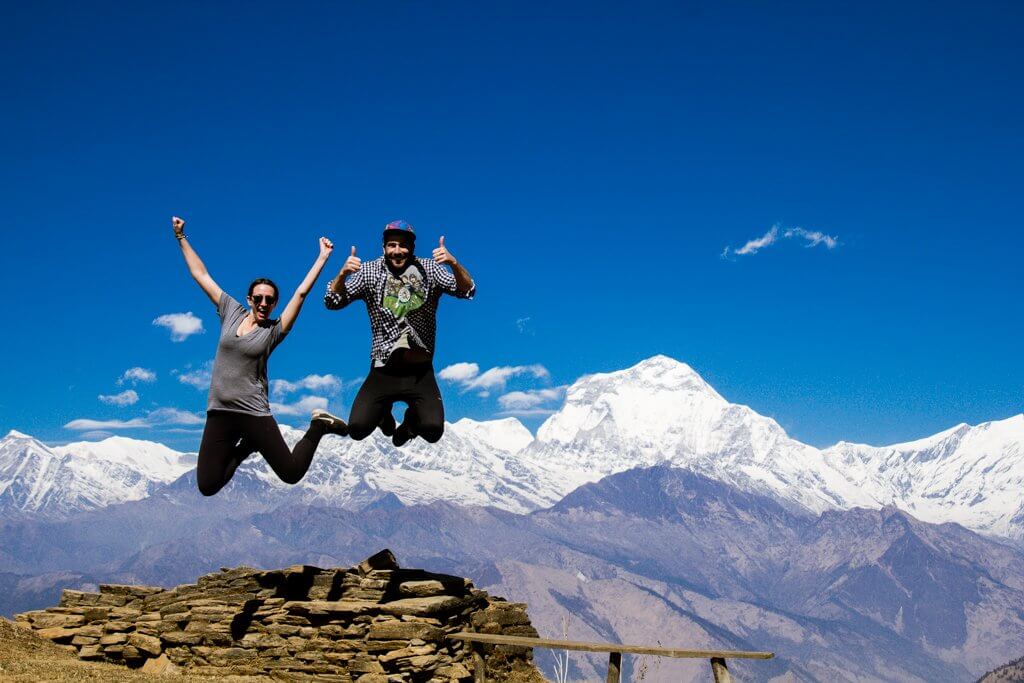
410 383
220 452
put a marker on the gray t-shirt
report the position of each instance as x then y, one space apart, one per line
239 381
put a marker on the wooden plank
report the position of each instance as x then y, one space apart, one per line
720 670
479 664
607 647
614 667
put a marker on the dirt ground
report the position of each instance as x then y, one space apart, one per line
27 657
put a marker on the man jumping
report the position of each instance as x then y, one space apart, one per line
401 293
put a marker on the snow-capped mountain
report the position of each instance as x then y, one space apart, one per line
476 463
659 411
970 475
662 411
54 482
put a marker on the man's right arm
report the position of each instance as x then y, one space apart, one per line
343 289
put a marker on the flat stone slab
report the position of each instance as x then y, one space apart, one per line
423 607
421 589
329 607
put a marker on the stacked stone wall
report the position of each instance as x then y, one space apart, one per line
372 623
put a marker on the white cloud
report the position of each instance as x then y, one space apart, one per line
328 384
136 375
813 237
174 416
755 245
125 398
181 325
199 377
86 424
469 377
304 406
97 435
496 378
530 400
155 418
459 372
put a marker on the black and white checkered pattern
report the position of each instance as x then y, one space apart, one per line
367 284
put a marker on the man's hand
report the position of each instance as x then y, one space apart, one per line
178 225
326 247
352 264
442 255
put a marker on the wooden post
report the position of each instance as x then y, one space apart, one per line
720 670
614 667
479 664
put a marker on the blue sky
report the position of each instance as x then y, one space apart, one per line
598 168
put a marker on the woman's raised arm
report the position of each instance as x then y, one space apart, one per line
291 311
194 263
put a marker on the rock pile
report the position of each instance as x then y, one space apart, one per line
372 623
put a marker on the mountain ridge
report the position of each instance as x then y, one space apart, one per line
657 411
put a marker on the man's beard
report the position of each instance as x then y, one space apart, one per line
390 261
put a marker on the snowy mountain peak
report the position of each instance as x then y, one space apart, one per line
640 402
36 479
153 461
507 434
15 434
661 372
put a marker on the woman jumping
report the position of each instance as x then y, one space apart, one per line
238 419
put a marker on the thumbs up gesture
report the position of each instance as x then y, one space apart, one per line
442 255
352 264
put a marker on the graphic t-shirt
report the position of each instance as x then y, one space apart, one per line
239 381
405 292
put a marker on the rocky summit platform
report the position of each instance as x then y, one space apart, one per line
372 623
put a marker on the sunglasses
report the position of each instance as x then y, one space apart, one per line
258 299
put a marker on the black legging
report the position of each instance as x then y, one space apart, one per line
413 384
221 452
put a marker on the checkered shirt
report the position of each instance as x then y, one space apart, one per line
367 284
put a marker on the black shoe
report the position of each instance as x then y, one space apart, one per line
387 425
402 436
332 424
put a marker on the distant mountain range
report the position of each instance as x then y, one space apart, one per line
648 508
645 556
657 412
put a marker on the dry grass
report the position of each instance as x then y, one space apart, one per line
26 657
503 670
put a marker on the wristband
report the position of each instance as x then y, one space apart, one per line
179 237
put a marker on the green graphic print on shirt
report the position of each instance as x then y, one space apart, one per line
404 293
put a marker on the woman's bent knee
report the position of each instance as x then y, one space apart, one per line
431 433
292 477
358 432
208 488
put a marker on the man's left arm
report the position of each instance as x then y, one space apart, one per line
463 285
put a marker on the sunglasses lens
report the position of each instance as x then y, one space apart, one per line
258 299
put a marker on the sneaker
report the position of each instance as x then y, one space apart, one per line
387 424
334 425
402 436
